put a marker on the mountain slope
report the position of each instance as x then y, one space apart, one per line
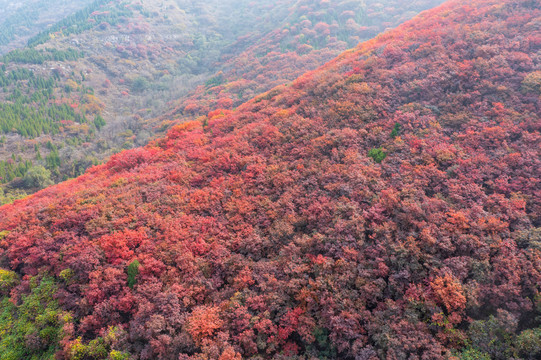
94 83
386 205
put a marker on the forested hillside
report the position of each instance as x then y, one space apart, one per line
97 82
384 206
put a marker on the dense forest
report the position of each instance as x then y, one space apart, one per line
98 81
384 206
33 106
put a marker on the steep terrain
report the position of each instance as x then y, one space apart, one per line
96 82
386 205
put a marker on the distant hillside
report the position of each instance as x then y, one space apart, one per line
384 206
313 33
23 19
98 81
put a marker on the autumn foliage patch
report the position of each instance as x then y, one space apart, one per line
270 231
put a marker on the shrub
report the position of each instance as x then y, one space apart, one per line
8 279
532 82
473 354
396 130
377 154
133 270
528 343
37 177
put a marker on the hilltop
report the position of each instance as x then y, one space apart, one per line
385 205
